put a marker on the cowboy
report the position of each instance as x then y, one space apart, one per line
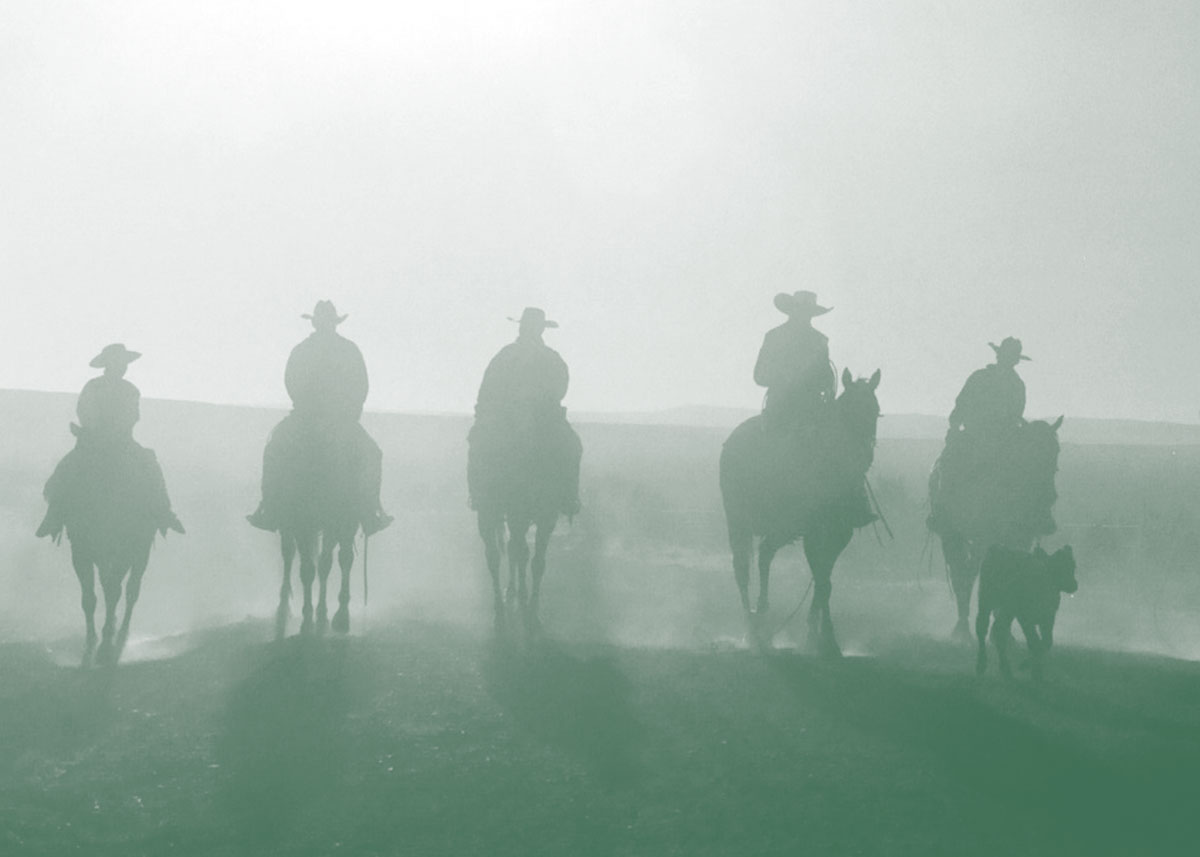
793 363
521 397
326 379
108 408
987 414
993 399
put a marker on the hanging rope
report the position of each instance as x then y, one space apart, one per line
366 542
792 615
879 512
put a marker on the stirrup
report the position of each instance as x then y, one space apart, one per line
372 524
261 521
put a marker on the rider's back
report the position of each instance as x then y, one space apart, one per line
108 408
992 401
525 378
326 378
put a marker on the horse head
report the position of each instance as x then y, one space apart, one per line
1041 445
857 408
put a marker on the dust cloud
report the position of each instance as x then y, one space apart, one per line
646 564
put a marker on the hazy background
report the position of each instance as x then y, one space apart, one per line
189 178
646 564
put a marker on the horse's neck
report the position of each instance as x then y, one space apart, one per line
850 442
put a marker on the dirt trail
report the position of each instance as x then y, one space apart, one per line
419 739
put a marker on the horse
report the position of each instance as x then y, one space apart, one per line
783 486
319 514
518 485
111 521
1006 502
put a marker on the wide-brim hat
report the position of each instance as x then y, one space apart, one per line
114 355
325 311
1009 347
534 316
802 303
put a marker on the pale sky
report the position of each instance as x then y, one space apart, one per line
189 178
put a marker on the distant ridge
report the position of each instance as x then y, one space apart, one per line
1088 430
30 410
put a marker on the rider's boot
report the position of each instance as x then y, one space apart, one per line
170 521
52 525
375 521
261 519
859 511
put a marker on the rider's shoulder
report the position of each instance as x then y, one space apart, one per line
104 384
319 342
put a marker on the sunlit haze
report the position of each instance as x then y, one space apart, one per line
190 178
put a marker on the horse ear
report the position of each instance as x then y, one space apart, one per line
874 381
1057 424
847 378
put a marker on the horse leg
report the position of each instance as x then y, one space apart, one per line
341 619
132 590
491 530
741 543
963 571
981 630
307 546
822 549
324 566
85 570
1001 637
767 549
287 546
541 543
110 582
1034 640
518 562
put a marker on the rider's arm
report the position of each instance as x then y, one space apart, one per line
765 365
359 385
963 403
561 380
291 375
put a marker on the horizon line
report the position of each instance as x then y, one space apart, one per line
279 406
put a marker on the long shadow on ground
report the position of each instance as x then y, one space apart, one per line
1032 776
284 744
581 706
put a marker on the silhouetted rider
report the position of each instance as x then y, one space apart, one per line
519 398
987 414
793 364
993 399
108 408
326 379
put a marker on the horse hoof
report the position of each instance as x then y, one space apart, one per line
830 650
533 626
961 633
341 622
306 625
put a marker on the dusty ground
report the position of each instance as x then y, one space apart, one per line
420 739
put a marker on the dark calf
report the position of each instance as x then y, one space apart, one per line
1026 587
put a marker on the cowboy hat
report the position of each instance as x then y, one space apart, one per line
325 311
535 317
114 355
1009 347
800 303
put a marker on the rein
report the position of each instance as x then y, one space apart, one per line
792 615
